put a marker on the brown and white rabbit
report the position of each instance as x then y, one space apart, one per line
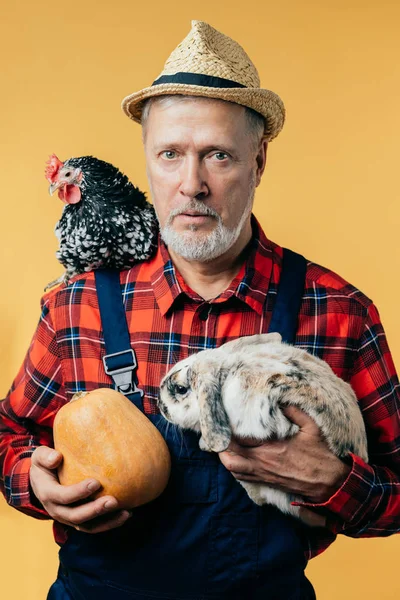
240 388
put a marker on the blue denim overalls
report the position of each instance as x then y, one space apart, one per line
203 538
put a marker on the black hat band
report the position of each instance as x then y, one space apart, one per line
198 79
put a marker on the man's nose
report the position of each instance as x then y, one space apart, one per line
193 184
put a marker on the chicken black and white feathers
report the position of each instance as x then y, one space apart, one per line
106 222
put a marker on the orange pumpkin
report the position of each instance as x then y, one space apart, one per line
101 434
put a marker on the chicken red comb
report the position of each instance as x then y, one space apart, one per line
53 165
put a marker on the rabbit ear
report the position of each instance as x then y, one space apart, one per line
251 340
271 337
214 423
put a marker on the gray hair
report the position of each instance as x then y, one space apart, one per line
255 121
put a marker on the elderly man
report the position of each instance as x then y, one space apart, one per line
214 277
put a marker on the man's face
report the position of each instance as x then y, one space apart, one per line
203 169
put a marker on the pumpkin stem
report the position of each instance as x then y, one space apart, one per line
78 395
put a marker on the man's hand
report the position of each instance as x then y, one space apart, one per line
68 504
302 465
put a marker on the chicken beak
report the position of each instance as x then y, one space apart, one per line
54 186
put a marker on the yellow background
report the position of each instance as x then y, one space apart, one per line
331 189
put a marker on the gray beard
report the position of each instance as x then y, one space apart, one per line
208 246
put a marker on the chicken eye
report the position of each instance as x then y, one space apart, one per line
181 389
68 174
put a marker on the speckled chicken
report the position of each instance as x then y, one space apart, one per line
106 222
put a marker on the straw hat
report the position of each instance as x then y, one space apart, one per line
210 64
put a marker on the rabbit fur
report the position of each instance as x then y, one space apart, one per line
240 389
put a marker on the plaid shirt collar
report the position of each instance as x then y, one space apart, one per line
250 285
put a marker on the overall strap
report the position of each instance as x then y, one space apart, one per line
120 359
290 292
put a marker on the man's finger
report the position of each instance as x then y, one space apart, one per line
235 462
47 458
234 447
300 418
311 518
246 443
246 477
244 446
68 494
100 525
77 515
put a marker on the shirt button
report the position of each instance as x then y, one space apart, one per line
203 315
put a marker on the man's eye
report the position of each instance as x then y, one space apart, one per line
220 155
181 389
169 154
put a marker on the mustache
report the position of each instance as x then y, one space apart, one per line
193 206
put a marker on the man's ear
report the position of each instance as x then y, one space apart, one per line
261 160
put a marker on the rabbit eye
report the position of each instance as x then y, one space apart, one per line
181 389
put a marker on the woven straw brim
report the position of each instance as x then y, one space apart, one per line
265 102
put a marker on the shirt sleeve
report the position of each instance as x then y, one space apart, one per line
27 414
368 502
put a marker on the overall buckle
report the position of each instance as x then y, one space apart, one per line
121 366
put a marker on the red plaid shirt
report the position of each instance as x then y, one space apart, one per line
168 322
